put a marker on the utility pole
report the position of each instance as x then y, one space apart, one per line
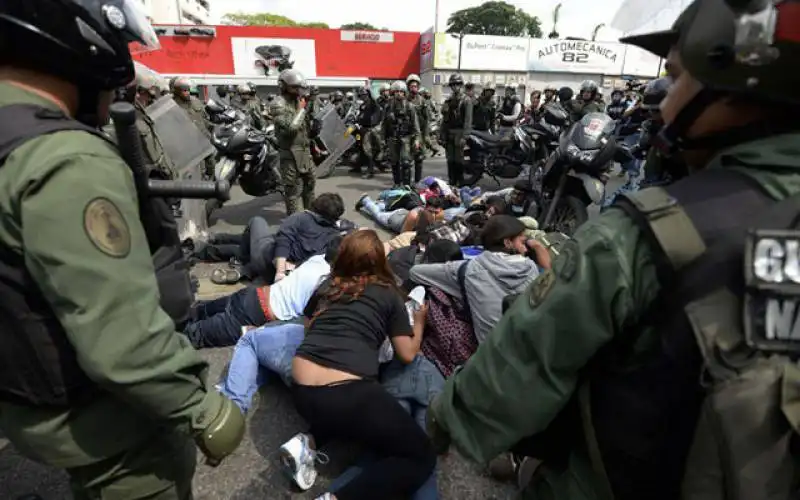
179 10
460 45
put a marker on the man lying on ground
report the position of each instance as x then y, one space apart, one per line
398 220
221 322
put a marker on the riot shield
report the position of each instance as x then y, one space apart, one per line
334 136
184 143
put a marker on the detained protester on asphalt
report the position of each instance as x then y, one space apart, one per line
221 322
335 375
647 363
396 218
502 269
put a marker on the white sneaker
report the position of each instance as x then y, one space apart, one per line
326 496
298 457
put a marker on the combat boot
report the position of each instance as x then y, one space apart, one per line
370 169
407 175
397 178
417 172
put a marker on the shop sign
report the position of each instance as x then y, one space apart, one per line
367 36
255 56
426 43
575 56
494 53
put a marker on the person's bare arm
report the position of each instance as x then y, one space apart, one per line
407 347
540 254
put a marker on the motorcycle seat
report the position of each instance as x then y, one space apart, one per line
490 137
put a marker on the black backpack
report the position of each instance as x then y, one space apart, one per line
20 123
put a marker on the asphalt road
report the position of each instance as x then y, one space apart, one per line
253 472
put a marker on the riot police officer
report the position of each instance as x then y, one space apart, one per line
510 111
617 105
662 385
337 100
370 117
181 88
424 118
292 129
248 102
222 94
456 126
485 112
402 133
94 377
586 102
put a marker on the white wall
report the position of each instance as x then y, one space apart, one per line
642 16
180 11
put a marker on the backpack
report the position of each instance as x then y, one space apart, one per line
449 339
20 123
407 200
746 439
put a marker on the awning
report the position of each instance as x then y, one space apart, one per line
321 82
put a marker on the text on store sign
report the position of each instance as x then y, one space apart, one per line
495 46
577 51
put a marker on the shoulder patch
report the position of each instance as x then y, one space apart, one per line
107 228
568 260
540 288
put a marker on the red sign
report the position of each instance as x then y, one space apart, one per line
426 47
335 56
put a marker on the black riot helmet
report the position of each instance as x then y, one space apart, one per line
86 42
655 92
589 86
456 79
565 94
337 96
222 91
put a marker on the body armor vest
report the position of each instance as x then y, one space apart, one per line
507 109
370 115
455 111
38 365
401 119
645 416
483 114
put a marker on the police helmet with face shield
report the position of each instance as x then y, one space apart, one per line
589 86
398 86
291 79
85 42
655 92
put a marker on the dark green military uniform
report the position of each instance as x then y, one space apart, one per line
153 149
484 113
251 106
401 130
297 166
579 108
84 246
537 351
424 120
456 126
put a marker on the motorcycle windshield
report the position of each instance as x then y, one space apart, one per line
593 131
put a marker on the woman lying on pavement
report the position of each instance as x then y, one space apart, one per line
220 322
335 375
504 268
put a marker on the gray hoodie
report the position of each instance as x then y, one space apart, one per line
489 278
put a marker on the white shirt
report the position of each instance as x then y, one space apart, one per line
289 296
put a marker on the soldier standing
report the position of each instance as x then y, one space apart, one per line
402 133
485 112
370 117
424 119
665 365
337 101
456 126
249 103
196 111
510 112
292 128
586 102
95 379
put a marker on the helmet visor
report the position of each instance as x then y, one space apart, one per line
140 32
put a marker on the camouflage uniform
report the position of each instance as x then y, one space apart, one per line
294 146
402 133
153 149
424 119
456 126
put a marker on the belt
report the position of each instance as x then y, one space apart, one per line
263 299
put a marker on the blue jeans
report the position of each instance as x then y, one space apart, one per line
392 220
632 167
259 352
219 322
414 386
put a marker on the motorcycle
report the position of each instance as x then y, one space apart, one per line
575 174
498 156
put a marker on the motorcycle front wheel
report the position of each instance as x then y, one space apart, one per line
569 214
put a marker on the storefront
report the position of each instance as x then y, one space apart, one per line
329 59
533 63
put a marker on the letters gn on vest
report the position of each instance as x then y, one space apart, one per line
772 299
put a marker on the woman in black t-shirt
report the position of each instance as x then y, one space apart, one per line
335 373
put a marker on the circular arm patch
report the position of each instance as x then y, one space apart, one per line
106 228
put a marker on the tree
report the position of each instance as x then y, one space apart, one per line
494 18
266 19
359 27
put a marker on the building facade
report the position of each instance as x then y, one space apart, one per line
329 59
178 11
532 63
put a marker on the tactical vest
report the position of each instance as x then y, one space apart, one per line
401 120
615 111
38 365
370 115
483 114
507 109
455 111
640 416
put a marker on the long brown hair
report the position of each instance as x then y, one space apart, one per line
361 262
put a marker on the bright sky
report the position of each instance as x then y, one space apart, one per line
578 17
